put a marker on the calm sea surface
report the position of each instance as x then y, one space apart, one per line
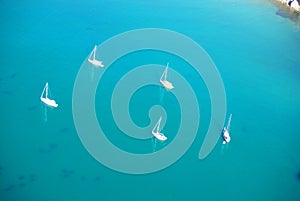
255 50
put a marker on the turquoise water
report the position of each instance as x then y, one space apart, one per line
257 55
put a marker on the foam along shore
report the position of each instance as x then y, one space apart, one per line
294 4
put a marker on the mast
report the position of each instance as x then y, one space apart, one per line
228 123
158 125
166 71
94 52
164 75
46 90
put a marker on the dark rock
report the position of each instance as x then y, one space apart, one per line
9 188
21 177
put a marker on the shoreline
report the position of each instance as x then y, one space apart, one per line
292 4
286 11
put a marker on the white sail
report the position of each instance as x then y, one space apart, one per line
44 97
164 75
94 53
163 79
156 131
46 87
92 58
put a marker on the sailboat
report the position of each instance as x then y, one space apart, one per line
163 79
225 133
156 132
92 58
44 97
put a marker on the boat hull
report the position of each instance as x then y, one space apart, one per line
226 136
49 102
168 85
96 63
159 136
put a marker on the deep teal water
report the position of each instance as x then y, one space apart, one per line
257 55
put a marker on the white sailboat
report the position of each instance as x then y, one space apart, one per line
156 132
163 79
92 58
225 132
44 97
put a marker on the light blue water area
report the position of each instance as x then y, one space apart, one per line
255 51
